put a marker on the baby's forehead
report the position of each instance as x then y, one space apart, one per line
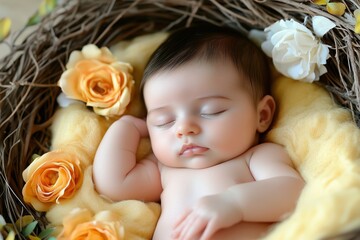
207 75
206 64
213 67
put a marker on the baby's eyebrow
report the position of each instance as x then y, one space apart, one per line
158 109
213 97
203 98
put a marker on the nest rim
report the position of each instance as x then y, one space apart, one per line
28 75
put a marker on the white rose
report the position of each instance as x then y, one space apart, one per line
295 51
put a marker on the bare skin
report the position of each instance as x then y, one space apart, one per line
214 179
193 185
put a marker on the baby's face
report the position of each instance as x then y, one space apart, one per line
200 115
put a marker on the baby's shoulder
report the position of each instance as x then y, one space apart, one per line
269 152
269 146
270 160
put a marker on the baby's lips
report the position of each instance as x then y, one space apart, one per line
192 149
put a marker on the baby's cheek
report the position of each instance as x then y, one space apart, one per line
161 148
233 143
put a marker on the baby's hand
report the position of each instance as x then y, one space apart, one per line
209 214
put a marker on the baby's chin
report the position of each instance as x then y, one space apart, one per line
195 163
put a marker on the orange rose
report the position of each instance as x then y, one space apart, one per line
96 78
51 177
80 224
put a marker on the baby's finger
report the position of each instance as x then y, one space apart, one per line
210 229
179 228
185 226
182 217
194 230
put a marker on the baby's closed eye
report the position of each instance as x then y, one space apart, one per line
212 110
161 120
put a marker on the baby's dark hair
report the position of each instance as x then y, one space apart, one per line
210 43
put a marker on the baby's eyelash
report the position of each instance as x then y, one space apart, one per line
212 114
166 124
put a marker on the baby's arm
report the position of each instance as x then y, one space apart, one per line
116 173
268 199
276 189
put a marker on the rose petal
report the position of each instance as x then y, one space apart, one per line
257 36
357 14
267 47
322 25
357 27
69 84
336 8
53 176
122 67
91 51
75 57
357 19
80 224
320 2
65 101
295 51
75 217
96 78
293 25
323 53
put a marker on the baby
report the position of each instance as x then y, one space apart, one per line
206 91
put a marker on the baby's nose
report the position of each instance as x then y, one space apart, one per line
186 128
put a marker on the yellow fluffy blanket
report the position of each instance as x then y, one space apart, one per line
320 137
323 143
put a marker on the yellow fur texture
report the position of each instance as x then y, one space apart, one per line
323 142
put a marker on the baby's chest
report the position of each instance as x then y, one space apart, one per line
192 184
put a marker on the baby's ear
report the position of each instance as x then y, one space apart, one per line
266 109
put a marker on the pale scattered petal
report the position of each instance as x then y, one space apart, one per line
64 101
45 7
11 236
257 36
336 8
2 221
322 25
357 14
357 27
5 26
357 21
320 2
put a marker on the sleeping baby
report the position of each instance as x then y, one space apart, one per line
206 91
